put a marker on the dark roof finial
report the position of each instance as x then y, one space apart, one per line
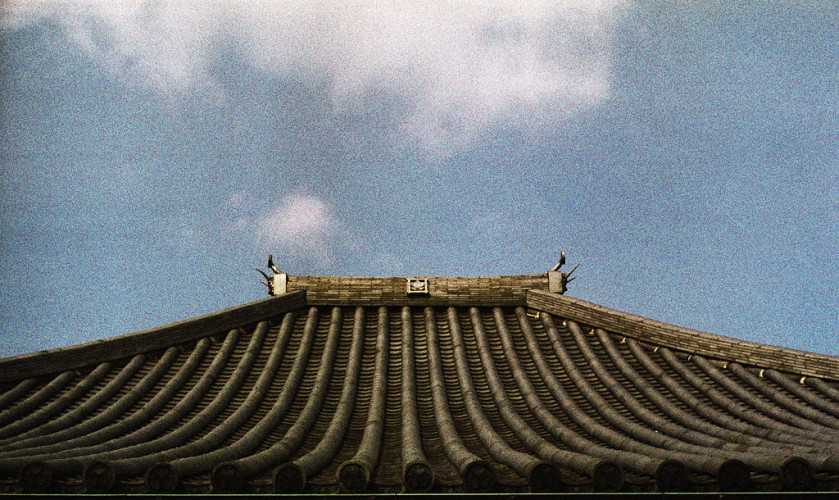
560 263
271 264
276 282
558 279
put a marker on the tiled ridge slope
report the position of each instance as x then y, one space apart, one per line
72 357
685 339
327 399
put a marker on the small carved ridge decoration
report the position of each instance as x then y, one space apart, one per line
277 282
418 286
558 280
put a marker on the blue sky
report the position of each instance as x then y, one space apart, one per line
153 153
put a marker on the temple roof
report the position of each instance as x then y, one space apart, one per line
361 385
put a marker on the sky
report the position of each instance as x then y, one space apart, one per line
153 153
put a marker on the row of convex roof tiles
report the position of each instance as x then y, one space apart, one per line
367 399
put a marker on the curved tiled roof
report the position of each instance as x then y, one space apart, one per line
485 384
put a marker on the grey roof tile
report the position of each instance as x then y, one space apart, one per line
486 384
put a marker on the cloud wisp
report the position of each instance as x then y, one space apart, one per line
301 222
456 68
300 225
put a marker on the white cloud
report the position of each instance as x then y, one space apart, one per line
298 217
301 228
461 66
301 224
168 46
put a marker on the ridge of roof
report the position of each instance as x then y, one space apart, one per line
67 358
514 290
458 291
685 339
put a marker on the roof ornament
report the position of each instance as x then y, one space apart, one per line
558 280
271 264
560 263
277 282
417 286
